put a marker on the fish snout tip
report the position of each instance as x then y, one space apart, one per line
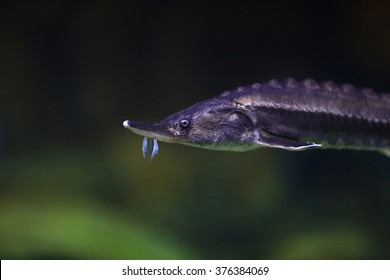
126 124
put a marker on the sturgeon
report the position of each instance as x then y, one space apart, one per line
290 115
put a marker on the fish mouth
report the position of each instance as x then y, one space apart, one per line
155 130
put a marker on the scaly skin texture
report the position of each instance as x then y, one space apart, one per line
334 116
290 115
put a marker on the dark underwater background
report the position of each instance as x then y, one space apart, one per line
74 185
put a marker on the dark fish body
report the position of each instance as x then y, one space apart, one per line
334 116
290 115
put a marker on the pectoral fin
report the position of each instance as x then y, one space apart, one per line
274 141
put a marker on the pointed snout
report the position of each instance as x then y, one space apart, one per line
126 124
133 125
157 130
142 128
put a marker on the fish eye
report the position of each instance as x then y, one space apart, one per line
184 123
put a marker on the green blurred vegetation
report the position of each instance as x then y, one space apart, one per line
74 185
